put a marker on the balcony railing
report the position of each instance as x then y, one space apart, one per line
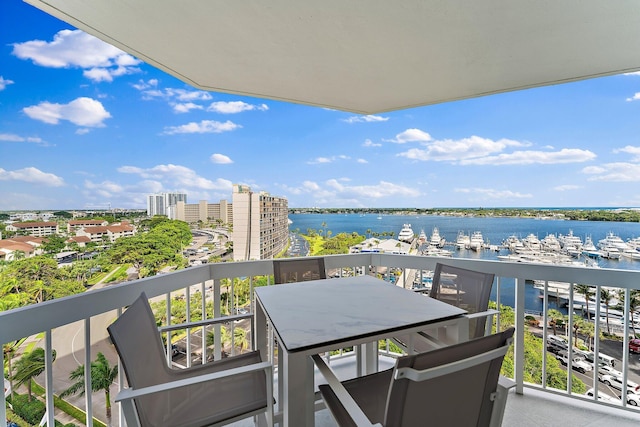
84 317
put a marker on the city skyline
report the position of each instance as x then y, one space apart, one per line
85 126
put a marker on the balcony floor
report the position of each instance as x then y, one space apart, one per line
535 408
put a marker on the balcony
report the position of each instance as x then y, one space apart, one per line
75 328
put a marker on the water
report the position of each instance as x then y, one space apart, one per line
494 230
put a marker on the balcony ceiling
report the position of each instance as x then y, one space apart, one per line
367 56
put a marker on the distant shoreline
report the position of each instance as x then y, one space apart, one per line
619 214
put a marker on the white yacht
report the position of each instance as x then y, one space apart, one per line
571 244
476 242
462 241
613 241
589 249
436 240
406 234
532 242
550 243
422 238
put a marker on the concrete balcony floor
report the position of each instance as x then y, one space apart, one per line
535 408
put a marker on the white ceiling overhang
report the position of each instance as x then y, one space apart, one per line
367 56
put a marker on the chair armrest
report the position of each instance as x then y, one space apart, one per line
342 394
129 393
490 312
500 400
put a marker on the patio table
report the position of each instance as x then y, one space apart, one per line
322 315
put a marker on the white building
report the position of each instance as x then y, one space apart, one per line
260 224
203 211
163 203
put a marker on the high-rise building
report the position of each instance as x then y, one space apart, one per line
260 224
163 203
204 211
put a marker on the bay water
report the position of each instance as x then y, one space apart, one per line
495 230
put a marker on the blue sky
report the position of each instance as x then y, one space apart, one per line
84 125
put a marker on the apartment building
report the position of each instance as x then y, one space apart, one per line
260 224
162 203
35 228
110 232
203 211
76 224
20 246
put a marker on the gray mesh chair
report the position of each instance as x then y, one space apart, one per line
466 289
458 385
463 288
298 270
215 393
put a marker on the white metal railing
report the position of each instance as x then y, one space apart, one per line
93 307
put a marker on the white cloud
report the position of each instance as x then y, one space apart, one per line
81 112
629 149
205 126
176 175
567 187
489 193
411 135
32 175
10 137
220 159
186 107
77 49
369 143
235 107
635 97
320 160
614 172
458 150
366 119
362 161
634 73
566 155
4 83
333 190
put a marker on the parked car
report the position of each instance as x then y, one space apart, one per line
556 344
634 345
633 399
607 370
603 397
603 359
615 381
578 362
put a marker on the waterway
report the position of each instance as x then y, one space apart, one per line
494 231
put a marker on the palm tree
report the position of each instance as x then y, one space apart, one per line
102 376
29 366
587 292
556 319
606 296
9 350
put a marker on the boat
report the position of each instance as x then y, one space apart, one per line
462 241
406 234
476 242
612 241
436 240
422 238
550 243
532 242
589 249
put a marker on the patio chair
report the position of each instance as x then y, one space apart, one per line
467 289
458 385
215 393
298 270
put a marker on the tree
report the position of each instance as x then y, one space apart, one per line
606 296
587 292
556 319
53 244
29 366
9 350
102 376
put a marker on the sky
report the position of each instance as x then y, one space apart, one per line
84 125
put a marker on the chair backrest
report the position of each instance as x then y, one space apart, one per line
458 398
298 269
466 289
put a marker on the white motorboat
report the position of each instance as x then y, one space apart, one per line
462 241
550 243
406 234
436 240
476 243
